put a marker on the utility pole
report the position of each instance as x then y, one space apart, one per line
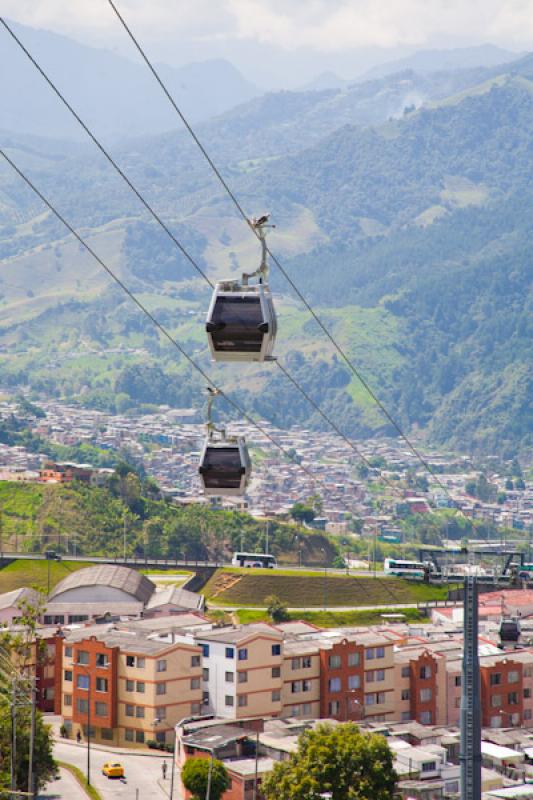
266 539
31 779
14 739
470 756
125 538
256 770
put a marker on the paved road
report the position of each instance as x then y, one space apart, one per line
142 772
66 788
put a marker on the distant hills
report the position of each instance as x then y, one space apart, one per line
118 97
402 212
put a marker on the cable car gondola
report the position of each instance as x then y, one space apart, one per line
225 466
241 321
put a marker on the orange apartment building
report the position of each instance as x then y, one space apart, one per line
130 688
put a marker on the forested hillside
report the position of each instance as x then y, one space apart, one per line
411 237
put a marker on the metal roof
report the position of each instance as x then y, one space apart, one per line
123 578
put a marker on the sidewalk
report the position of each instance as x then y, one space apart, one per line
55 723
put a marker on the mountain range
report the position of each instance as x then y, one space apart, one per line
402 211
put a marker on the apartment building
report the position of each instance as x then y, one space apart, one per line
129 688
241 674
420 685
301 682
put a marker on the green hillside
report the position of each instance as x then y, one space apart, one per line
90 521
245 588
20 573
412 238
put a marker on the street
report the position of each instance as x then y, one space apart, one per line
141 772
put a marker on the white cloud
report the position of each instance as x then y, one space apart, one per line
321 25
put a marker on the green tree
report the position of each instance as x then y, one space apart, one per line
195 777
302 512
275 608
341 760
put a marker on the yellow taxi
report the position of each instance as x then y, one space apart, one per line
113 769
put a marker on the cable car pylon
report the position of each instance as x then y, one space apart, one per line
225 467
241 322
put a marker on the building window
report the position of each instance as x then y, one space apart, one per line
243 653
130 685
276 672
68 652
457 680
102 660
205 674
106 733
229 700
334 707
101 684
230 652
100 709
296 711
140 687
527 693
296 663
369 676
370 653
242 700
426 718
196 708
139 737
68 674
82 681
306 662
128 735
381 698
406 694
380 652
334 684
276 696
495 679
512 698
496 700
161 665
229 677
242 676
130 710
528 672
425 695
67 699
160 688
205 698
334 662
405 716
205 650
527 713
195 683
370 699
354 682
354 659
306 686
406 672
195 661
425 673
83 657
85 730
141 662
380 675
306 709
513 676
139 712
162 712
130 661
160 737
82 705
429 766
296 687
276 649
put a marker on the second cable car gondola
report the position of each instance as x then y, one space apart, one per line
241 321
225 466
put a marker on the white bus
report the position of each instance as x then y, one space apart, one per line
402 569
261 560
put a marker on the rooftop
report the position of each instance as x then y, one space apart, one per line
123 578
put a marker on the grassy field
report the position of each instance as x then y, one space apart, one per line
332 619
35 573
308 589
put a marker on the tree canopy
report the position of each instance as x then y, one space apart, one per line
340 760
195 777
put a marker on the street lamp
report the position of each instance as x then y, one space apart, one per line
51 555
323 549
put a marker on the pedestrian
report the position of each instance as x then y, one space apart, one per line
164 770
78 737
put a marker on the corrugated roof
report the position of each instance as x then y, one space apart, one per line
123 578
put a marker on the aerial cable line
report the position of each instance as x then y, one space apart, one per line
175 240
287 277
314 479
105 153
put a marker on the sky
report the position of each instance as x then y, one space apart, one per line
285 40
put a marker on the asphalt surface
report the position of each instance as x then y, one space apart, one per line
142 772
66 788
